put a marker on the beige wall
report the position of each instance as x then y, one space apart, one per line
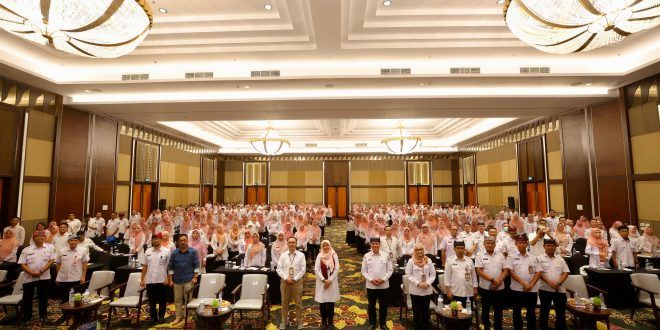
183 168
555 171
386 178
233 178
38 163
498 165
296 181
441 176
122 192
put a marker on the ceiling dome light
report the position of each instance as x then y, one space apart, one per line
163 10
92 28
270 143
387 3
268 6
570 26
401 142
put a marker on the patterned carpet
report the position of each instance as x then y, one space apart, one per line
350 311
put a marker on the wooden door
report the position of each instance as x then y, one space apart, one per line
331 199
535 198
423 195
250 195
541 197
413 195
342 202
207 194
4 201
471 195
143 198
137 198
262 195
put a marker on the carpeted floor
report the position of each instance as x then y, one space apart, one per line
350 311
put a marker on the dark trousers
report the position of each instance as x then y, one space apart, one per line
328 221
492 299
157 294
42 295
559 300
525 300
327 313
313 250
372 296
421 311
463 300
65 287
322 231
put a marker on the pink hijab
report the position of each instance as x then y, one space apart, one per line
198 245
7 245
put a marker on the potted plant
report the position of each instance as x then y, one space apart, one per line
77 300
454 308
597 303
214 306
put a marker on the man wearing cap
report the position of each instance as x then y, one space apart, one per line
525 272
489 266
154 277
71 267
554 272
460 276
35 261
376 269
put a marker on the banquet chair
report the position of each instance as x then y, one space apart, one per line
583 271
3 275
406 300
15 298
576 284
253 297
132 297
100 282
209 285
647 292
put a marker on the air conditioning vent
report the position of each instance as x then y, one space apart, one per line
394 71
465 70
199 75
135 76
265 73
360 145
310 145
534 69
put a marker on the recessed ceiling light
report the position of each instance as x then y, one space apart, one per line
421 84
246 86
87 91
163 10
268 6
499 2
589 84
387 3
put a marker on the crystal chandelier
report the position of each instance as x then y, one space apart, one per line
401 142
570 26
270 143
92 28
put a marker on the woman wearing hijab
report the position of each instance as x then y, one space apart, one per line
427 240
564 240
314 235
326 269
53 230
197 243
255 252
166 241
136 239
407 242
186 224
648 243
234 240
277 248
420 272
580 227
301 236
219 242
288 230
597 249
8 247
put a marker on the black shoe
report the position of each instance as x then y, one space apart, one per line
43 320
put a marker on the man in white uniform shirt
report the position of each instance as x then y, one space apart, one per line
291 269
390 245
134 218
447 245
507 245
489 266
552 220
35 261
377 270
529 225
17 229
112 229
536 241
460 275
74 224
525 274
95 226
624 250
60 241
71 267
554 271
154 277
123 226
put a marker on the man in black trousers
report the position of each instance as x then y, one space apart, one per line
154 277
376 269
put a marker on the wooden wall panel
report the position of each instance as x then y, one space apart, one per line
104 156
336 173
577 184
71 164
531 160
613 183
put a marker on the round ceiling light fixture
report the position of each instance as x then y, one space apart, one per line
401 142
571 26
91 28
270 143
268 6
387 3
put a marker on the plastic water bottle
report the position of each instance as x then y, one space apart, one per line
201 307
468 306
440 302
602 301
578 301
220 297
71 293
86 296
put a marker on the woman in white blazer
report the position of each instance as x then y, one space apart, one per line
326 269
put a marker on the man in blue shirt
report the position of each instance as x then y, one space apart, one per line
182 271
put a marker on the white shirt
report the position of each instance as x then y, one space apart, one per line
447 246
525 266
552 223
460 276
123 225
407 248
376 266
492 264
530 227
331 294
36 258
624 251
74 226
71 263
390 246
291 265
113 224
259 260
156 261
417 275
552 269
61 241
537 249
88 243
594 256
506 246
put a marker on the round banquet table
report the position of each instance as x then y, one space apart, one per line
82 314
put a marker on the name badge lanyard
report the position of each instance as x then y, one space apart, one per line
291 260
